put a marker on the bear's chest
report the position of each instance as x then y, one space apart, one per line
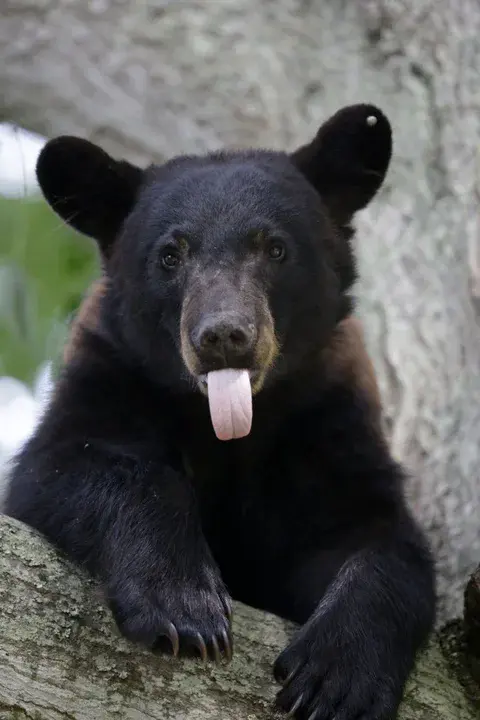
255 485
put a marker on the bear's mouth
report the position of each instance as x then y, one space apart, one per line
228 374
256 380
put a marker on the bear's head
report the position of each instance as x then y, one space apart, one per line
233 260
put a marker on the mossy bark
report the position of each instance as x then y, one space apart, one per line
62 658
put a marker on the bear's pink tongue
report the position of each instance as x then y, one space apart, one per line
230 400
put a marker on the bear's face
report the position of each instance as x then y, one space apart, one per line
234 254
232 260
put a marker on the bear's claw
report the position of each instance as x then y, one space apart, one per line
296 706
228 609
172 634
216 650
227 645
198 642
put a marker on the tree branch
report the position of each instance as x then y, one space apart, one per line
62 658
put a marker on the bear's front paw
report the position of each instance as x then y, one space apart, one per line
190 614
333 671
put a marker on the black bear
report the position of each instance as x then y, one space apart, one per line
211 435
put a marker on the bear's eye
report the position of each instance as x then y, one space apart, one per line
170 259
276 251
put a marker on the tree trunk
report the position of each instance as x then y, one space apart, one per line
60 656
151 79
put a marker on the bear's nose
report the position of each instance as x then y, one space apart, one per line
226 340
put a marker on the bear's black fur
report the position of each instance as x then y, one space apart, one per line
306 516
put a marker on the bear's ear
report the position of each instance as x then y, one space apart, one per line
87 188
348 159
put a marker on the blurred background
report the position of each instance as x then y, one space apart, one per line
147 80
45 268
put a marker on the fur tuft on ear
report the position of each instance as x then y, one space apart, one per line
348 159
87 188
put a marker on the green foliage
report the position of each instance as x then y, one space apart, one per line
44 270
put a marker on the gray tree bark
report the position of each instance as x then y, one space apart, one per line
61 658
151 79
